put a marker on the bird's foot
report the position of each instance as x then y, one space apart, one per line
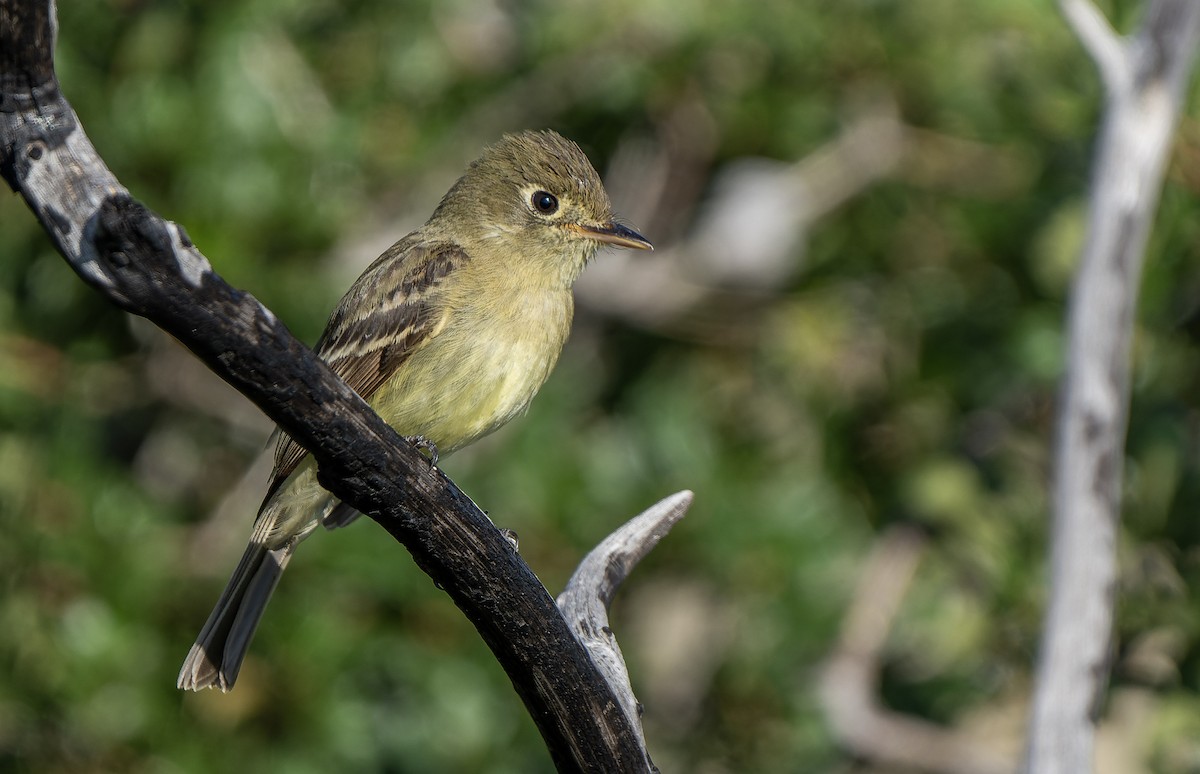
425 446
512 539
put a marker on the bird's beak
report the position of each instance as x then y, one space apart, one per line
613 234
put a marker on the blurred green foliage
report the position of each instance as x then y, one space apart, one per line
905 374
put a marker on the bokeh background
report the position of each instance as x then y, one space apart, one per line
867 215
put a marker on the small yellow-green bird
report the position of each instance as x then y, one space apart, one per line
448 335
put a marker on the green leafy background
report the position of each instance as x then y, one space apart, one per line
903 372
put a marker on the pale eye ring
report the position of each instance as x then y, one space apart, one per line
544 202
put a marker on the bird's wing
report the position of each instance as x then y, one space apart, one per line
389 313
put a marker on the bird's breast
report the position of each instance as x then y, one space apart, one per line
482 370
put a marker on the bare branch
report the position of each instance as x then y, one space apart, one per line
748 233
1139 120
849 688
585 600
1102 43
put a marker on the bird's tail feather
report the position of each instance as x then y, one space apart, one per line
341 515
289 515
216 658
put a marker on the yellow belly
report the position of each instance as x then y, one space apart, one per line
481 371
454 392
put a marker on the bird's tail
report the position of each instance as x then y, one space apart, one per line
216 658
289 514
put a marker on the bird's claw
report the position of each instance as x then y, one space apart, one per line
425 446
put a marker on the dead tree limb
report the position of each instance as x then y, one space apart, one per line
149 267
1144 78
585 600
849 684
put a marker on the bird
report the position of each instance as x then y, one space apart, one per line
447 335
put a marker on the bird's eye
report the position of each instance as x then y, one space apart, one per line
544 202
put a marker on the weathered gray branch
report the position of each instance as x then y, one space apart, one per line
748 235
585 600
1145 78
148 266
849 685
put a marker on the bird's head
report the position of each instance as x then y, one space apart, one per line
538 192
